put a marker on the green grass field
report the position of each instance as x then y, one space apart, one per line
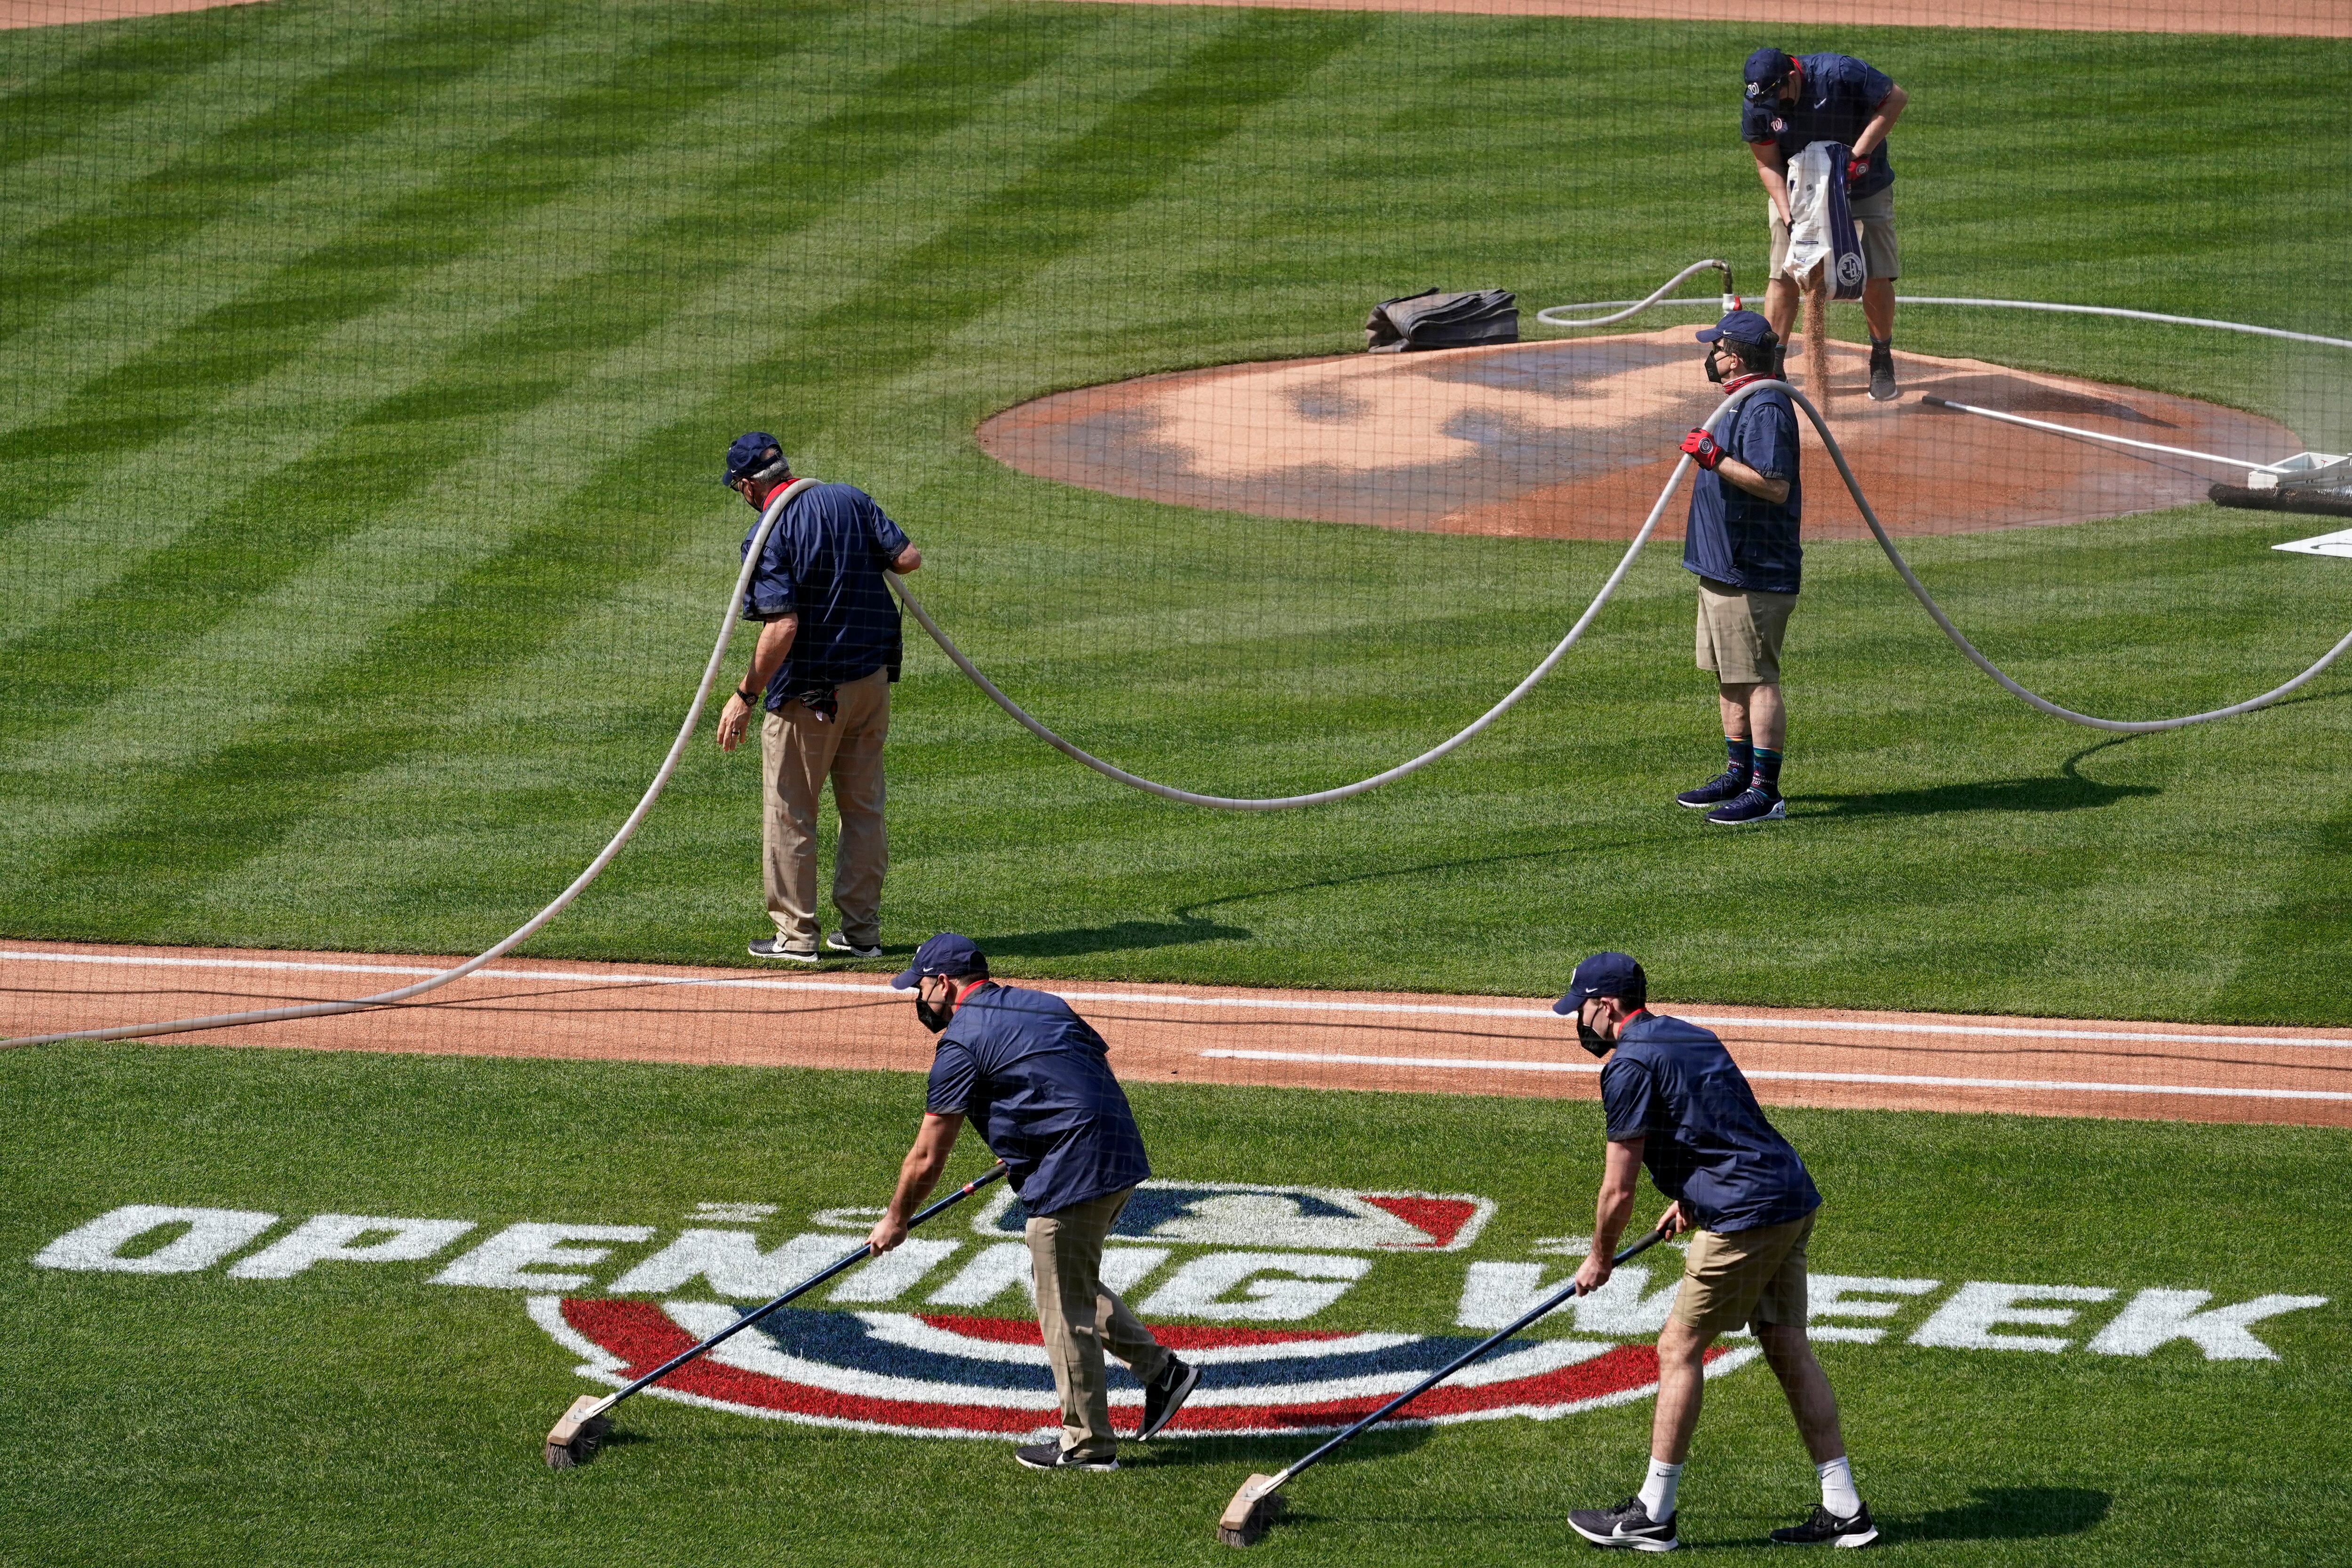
366 370
360 1415
363 374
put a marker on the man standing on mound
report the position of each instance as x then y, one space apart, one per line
1793 102
1035 1078
829 647
1677 1103
1741 542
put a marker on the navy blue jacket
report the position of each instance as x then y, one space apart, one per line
1035 1080
824 562
1705 1139
1838 97
1742 540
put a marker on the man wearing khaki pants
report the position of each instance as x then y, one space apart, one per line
1036 1080
829 647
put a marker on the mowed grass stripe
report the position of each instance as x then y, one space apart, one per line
287 518
519 867
281 419
650 487
195 370
242 800
401 440
954 277
54 264
160 289
477 511
594 545
113 71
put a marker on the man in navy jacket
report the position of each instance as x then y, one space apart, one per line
1036 1078
1678 1104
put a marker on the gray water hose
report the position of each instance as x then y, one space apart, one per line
775 510
523 932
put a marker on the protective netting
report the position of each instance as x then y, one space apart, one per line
368 373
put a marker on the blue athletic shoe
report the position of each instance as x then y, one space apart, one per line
1724 786
1751 805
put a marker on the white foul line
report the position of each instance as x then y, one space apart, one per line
753 981
1173 999
1933 401
1920 1080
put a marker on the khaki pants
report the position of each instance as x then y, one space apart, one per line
1080 1319
798 751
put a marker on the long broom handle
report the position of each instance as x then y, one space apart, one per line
1564 1294
993 1172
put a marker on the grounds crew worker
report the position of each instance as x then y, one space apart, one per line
1793 102
1677 1103
828 649
1033 1075
1741 542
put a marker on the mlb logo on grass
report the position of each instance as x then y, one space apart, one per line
937 1339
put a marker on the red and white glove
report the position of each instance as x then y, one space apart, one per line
1703 449
1855 168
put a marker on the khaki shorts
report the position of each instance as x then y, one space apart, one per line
1740 631
1748 1276
1874 220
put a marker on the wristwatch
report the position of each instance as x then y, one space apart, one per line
746 698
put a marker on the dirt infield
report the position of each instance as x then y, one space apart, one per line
1335 1040
2286 18
1573 440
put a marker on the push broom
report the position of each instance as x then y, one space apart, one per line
1259 1502
574 1440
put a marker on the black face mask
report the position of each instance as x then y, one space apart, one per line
934 1015
1589 1038
1714 372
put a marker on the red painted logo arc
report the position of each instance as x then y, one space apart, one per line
942 1375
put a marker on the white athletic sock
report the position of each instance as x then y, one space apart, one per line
1838 1495
1658 1490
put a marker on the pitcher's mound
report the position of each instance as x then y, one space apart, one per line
1573 440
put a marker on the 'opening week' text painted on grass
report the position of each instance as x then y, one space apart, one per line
903 1344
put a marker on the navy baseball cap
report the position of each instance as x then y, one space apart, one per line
946 954
754 454
1740 327
1604 974
1767 70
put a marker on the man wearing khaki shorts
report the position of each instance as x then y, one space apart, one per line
1793 102
1677 1103
829 647
1745 507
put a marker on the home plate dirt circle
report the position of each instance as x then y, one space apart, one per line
1573 440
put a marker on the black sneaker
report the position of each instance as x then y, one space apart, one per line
773 947
1882 377
1826 1529
1054 1457
1165 1394
1627 1525
1724 786
839 941
1751 805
